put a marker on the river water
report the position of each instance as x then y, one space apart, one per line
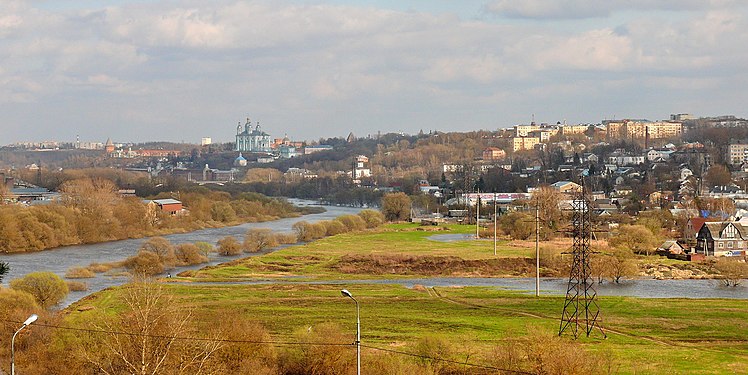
61 259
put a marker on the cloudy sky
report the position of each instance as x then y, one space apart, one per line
179 70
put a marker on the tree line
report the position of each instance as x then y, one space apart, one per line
91 210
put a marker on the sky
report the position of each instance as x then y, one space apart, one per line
179 70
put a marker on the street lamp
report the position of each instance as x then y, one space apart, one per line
28 321
348 294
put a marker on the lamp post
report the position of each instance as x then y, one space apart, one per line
28 321
348 294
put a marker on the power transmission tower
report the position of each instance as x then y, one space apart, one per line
580 308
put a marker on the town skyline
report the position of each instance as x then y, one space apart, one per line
180 71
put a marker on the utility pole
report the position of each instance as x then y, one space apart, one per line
477 216
537 247
494 224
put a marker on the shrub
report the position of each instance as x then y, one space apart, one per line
286 238
318 359
372 218
163 248
79 273
243 352
396 206
542 352
303 231
205 247
189 254
334 227
144 263
47 288
77 286
352 222
517 225
258 239
430 347
229 246
100 267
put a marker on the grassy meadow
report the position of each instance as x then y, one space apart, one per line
326 258
644 336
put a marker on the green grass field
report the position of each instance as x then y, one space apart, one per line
316 260
645 336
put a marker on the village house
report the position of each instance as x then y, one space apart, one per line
721 239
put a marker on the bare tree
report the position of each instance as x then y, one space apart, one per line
733 271
147 338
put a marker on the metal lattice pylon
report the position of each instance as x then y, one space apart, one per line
580 307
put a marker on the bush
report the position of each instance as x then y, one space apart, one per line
188 254
79 273
47 288
258 239
286 238
319 359
205 247
303 231
435 347
100 267
542 352
372 218
517 225
396 207
334 227
243 352
229 246
352 222
77 286
144 263
163 248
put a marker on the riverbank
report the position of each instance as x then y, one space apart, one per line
60 260
48 227
410 251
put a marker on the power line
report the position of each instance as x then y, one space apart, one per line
446 360
183 338
269 342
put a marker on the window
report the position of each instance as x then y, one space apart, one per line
721 245
729 245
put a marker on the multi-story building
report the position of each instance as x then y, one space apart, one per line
493 153
573 129
682 117
640 129
361 167
737 153
544 134
524 143
524 130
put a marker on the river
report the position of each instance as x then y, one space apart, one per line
61 259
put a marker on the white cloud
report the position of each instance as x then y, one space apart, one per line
181 67
577 9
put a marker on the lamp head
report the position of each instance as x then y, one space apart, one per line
346 293
31 319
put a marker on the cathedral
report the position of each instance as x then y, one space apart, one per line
251 140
